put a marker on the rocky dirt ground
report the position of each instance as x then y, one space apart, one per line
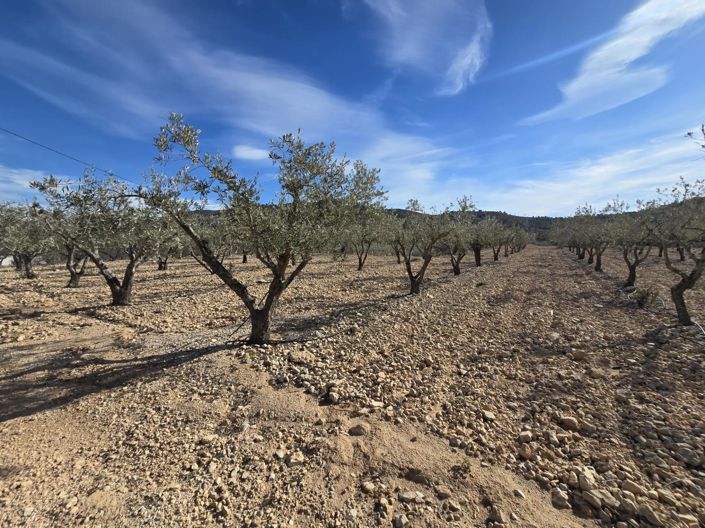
525 393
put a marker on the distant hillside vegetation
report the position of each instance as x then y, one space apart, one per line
539 225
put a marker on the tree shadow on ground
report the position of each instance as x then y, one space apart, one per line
59 379
302 328
661 378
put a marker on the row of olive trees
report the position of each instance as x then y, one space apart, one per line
675 222
323 203
450 232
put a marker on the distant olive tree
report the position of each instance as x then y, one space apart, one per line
457 243
630 234
419 232
101 216
24 235
365 218
481 235
177 246
496 235
592 233
300 221
519 238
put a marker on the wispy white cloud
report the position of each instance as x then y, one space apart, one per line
468 61
247 152
147 64
14 183
553 56
632 172
446 39
608 76
411 165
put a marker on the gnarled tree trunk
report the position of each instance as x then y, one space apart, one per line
27 266
598 256
259 332
639 255
598 261
687 282
76 267
678 297
477 252
121 291
455 260
362 251
416 279
631 277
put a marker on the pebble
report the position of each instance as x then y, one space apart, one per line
526 436
647 512
359 430
497 515
559 499
368 487
411 496
295 459
570 423
400 521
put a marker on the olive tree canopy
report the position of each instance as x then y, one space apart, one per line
284 233
102 217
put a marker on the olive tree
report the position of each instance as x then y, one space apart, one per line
481 235
678 220
422 233
629 233
101 216
496 236
520 238
591 233
364 211
477 242
299 222
457 242
7 217
24 235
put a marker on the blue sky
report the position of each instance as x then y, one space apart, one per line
530 107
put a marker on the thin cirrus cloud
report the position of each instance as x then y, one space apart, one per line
552 57
250 153
631 172
143 63
15 182
445 39
608 77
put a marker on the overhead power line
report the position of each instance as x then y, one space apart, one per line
68 156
